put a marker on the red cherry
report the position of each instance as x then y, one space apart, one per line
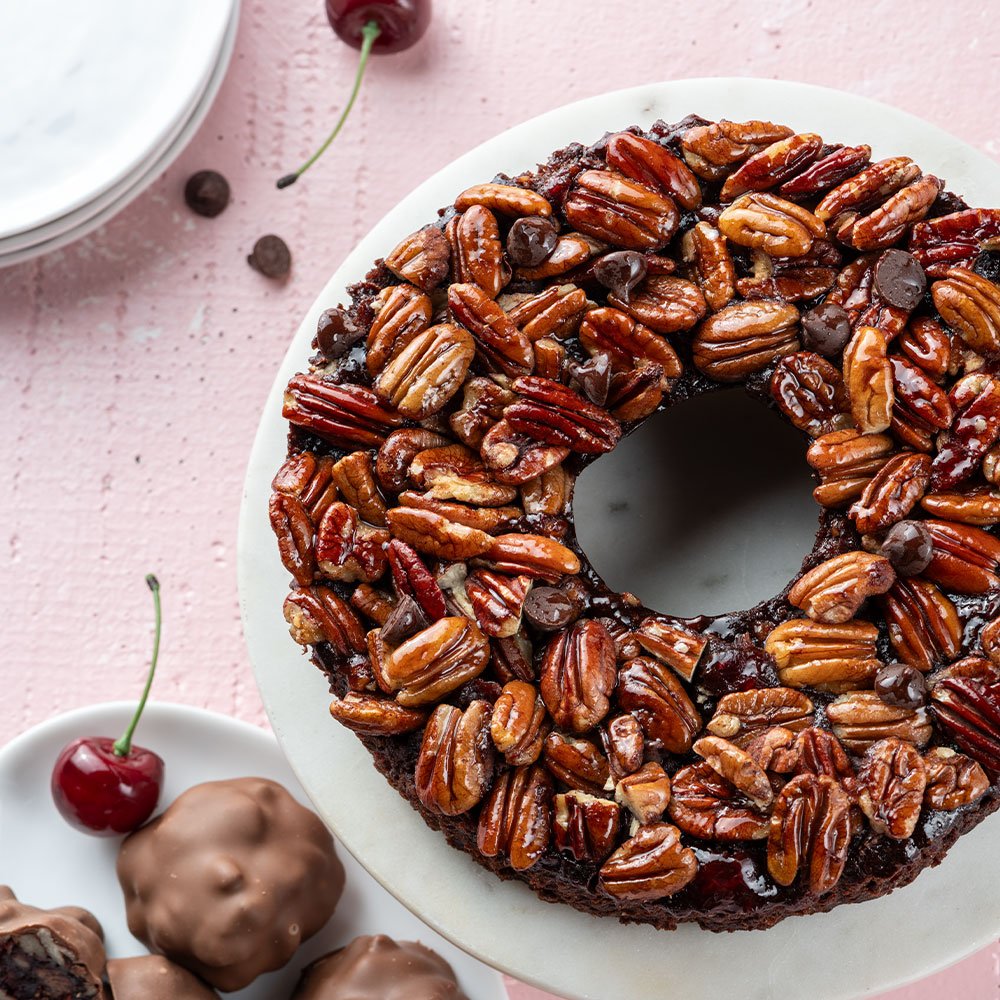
109 787
380 26
105 793
401 23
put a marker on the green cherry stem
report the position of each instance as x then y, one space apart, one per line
369 33
123 746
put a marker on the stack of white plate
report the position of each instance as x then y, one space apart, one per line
96 100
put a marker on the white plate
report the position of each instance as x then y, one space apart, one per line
89 90
83 220
48 863
947 913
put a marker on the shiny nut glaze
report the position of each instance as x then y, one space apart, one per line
428 493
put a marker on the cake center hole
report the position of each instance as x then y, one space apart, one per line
706 509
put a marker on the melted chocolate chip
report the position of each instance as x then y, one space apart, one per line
594 377
900 279
908 546
406 618
271 257
988 265
207 193
620 272
336 332
550 609
826 329
901 686
531 241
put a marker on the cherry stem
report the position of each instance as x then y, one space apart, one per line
369 33
123 746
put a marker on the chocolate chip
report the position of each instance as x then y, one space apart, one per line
620 271
901 686
271 257
406 618
826 329
336 332
908 546
207 193
900 279
550 609
531 241
594 376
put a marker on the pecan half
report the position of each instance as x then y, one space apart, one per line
827 172
888 222
964 558
317 614
553 312
576 762
610 207
989 639
411 578
516 819
476 250
455 472
737 767
482 406
578 674
354 476
455 765
518 723
969 710
833 591
504 198
711 150
371 603
976 399
876 182
635 394
553 413
435 535
550 493
773 165
953 780
570 252
743 715
347 549
763 221
492 520
392 463
346 415
294 530
427 372
585 826
402 312
371 715
815 751
978 505
920 407
892 492
955 239
678 647
892 779
437 660
627 343
497 601
653 165
645 793
868 377
515 457
649 865
927 346
836 658
924 627
624 744
422 258
308 477
665 304
810 831
846 462
704 248
744 337
706 805
810 392
500 346
532 555
970 304
861 718
658 700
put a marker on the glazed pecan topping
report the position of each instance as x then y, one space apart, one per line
744 337
892 780
628 344
403 312
578 674
712 150
923 624
847 461
455 765
476 251
743 715
892 492
705 249
649 865
861 718
964 558
624 745
318 614
674 645
371 715
516 819
309 478
577 763
737 767
517 725
344 415
658 700
706 805
868 377
645 793
651 164
810 392
585 826
833 591
766 222
970 304
836 657
421 258
953 780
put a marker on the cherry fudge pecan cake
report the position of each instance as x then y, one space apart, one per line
822 747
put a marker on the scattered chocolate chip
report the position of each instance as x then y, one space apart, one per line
901 686
826 329
406 618
594 376
207 193
550 609
271 257
900 279
909 547
620 271
336 332
531 241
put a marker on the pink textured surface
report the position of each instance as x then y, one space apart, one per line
136 361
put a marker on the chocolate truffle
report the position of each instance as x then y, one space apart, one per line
230 880
378 968
153 977
49 954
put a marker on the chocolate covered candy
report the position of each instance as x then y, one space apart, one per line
153 977
49 954
230 880
378 968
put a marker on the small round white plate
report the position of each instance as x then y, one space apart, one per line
48 863
853 951
86 218
89 90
